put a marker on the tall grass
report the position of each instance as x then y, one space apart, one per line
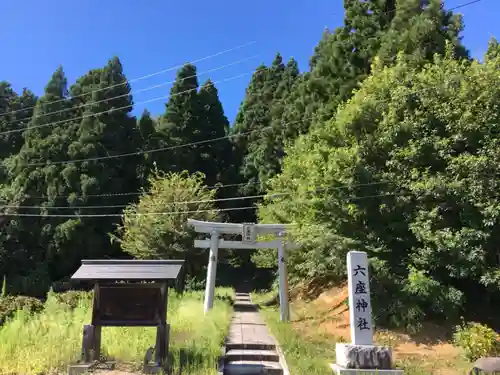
47 342
309 353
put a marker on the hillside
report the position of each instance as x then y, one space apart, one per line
321 322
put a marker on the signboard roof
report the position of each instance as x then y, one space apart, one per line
128 270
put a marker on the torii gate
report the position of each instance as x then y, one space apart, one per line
249 233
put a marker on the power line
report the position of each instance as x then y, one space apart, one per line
167 148
148 101
353 198
137 91
116 109
448 10
177 146
272 195
135 153
134 214
170 69
140 78
168 213
217 186
464 5
125 205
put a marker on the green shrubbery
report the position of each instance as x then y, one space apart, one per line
9 305
72 298
477 340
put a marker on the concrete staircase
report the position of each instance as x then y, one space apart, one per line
250 349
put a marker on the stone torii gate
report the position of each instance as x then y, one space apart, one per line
249 233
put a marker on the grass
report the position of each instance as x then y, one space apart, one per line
309 353
47 342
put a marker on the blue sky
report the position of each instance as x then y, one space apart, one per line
153 35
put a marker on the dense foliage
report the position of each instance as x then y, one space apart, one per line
477 341
388 143
406 171
148 233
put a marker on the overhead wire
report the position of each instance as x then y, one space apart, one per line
134 214
171 147
167 148
448 9
140 78
271 195
136 91
152 100
464 5
143 152
168 213
216 186
116 109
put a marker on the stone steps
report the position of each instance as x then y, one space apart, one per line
250 349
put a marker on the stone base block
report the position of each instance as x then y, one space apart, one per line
368 357
353 371
152 369
78 369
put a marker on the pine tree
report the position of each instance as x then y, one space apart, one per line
15 113
343 57
148 141
213 157
269 150
36 181
180 123
493 49
105 133
254 121
421 29
340 61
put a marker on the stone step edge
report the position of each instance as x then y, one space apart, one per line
251 355
249 346
253 367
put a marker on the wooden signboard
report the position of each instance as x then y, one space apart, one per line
127 293
128 305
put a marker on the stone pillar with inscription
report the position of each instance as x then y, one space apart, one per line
361 356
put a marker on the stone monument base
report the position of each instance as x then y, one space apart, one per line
354 371
363 356
363 359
